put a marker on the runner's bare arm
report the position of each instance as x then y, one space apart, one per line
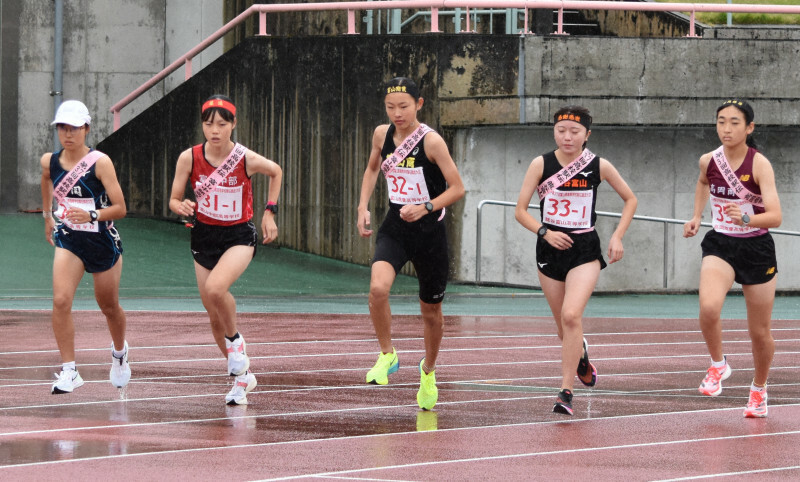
764 176
47 198
371 173
177 203
257 163
532 179
610 174
105 172
701 195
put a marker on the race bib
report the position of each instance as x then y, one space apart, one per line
87 204
722 223
568 209
222 203
407 186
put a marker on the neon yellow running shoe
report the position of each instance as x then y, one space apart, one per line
387 364
428 394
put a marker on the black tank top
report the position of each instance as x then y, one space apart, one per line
87 187
434 179
586 180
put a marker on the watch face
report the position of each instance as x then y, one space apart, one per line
429 206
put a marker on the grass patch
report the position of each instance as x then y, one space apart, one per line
721 18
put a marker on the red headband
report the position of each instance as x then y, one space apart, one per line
223 104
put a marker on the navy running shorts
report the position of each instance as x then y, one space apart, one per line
556 263
424 243
209 242
752 259
98 251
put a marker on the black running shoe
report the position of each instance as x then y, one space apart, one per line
587 373
563 402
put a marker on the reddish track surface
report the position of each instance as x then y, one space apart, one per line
312 415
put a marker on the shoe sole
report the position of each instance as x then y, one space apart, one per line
561 408
243 401
593 381
392 369
724 377
58 391
755 415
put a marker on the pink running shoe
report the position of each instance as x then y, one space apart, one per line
757 405
712 383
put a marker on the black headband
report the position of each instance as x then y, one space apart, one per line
741 105
405 89
583 119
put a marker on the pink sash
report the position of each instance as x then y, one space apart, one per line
733 181
216 177
72 177
404 148
565 174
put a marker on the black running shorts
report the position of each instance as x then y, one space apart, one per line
752 259
209 242
424 243
98 251
556 263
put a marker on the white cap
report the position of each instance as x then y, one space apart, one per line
72 112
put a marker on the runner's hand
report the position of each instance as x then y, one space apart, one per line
734 211
691 227
558 240
615 250
269 230
49 226
412 212
186 207
364 224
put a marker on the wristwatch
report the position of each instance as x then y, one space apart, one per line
542 231
745 219
429 206
93 216
272 207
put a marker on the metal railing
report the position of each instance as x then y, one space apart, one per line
636 217
434 5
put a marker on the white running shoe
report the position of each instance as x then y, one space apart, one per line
67 381
120 373
242 385
238 362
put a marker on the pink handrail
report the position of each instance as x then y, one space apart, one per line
434 5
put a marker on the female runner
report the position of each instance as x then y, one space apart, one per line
568 250
744 204
223 239
422 180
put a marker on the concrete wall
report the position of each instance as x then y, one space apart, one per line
661 81
311 104
661 166
111 47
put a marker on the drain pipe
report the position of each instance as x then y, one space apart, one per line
58 56
521 81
